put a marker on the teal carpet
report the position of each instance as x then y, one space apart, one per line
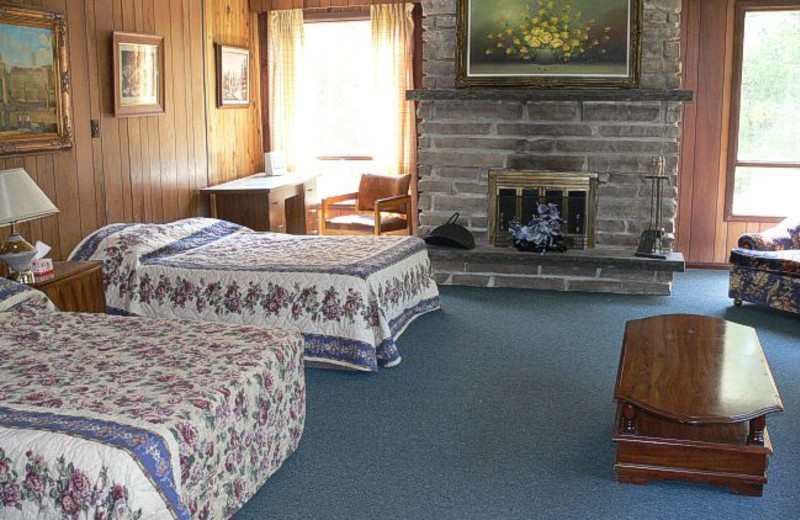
502 409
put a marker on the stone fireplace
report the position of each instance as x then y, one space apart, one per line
617 134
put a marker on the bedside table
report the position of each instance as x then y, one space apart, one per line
74 286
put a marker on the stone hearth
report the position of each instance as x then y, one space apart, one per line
607 270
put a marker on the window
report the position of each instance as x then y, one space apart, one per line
764 145
338 129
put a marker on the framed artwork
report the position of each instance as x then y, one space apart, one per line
549 43
233 76
35 92
138 74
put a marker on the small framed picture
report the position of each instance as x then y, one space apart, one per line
138 74
233 76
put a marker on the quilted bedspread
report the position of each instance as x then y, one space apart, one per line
350 296
107 417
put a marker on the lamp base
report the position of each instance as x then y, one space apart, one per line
27 277
17 253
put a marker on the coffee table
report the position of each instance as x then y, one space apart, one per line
692 397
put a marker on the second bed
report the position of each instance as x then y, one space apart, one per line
350 296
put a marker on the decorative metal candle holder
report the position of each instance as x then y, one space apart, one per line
651 244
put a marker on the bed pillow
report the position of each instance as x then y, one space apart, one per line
16 296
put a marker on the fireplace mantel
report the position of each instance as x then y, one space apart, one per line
524 95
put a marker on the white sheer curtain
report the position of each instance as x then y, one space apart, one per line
392 45
285 35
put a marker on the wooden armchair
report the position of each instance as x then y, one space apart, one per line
382 206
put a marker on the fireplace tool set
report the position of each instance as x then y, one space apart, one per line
651 244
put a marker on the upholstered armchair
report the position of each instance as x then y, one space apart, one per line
382 206
766 267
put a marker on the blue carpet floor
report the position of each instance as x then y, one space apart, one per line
502 408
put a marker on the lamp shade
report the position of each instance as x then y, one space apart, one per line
21 199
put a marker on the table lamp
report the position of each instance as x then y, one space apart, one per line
21 200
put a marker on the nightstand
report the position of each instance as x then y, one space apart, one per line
74 286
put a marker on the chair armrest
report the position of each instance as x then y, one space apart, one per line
328 201
389 203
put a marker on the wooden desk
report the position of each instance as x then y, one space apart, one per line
693 393
282 204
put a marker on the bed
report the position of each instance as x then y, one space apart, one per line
350 296
110 417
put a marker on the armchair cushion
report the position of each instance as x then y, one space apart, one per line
374 187
366 223
785 263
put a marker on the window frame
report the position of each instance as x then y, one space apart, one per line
341 13
742 7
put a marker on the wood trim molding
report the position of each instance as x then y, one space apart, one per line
336 14
260 6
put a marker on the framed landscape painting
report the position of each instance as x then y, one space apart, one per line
35 111
138 74
233 76
549 43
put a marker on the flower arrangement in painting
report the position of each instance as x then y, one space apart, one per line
547 31
544 232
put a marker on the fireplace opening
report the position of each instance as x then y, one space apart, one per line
517 194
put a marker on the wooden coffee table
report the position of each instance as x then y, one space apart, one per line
693 393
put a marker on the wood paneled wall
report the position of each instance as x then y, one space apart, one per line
143 169
234 134
704 237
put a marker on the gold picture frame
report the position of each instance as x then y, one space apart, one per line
35 89
139 74
549 43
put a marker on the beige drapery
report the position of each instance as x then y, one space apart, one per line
285 34
393 43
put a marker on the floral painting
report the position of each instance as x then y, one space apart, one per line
549 42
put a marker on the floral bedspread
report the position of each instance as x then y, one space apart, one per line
107 417
350 296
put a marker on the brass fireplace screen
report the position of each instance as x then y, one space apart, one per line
517 194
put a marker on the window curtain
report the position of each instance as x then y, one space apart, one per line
285 36
393 42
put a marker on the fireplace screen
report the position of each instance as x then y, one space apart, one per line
517 194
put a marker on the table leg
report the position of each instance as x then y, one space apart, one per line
751 490
757 427
629 418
